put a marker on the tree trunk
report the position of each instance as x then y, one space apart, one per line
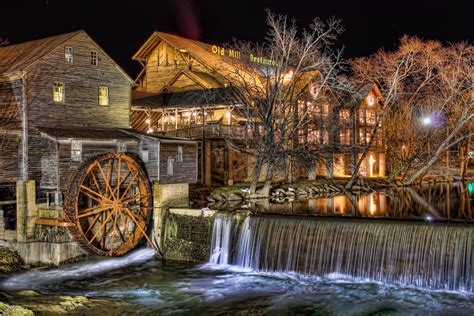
268 183
255 175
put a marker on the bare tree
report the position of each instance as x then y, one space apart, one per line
272 78
422 79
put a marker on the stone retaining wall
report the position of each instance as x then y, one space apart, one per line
186 235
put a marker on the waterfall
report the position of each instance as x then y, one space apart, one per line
404 253
223 231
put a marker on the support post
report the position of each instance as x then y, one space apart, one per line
207 164
21 206
31 209
230 164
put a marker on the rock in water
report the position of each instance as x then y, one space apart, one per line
10 261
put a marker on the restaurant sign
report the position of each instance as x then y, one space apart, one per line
232 53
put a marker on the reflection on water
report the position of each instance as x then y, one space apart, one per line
168 288
438 202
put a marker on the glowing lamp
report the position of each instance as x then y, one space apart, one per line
148 121
426 120
228 115
370 99
150 130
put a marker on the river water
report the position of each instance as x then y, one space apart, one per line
309 263
152 287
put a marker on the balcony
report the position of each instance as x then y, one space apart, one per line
210 130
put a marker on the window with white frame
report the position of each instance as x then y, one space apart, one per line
58 92
76 150
121 147
94 58
169 167
179 154
68 54
103 96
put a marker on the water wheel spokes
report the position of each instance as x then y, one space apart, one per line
109 199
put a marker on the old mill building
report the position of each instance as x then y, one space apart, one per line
183 90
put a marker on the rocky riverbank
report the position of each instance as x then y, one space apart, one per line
29 303
10 261
321 188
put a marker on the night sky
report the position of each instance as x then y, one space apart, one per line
120 27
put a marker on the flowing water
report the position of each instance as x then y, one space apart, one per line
312 264
437 257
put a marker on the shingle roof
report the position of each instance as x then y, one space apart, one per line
15 58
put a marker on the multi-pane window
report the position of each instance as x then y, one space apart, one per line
344 115
76 150
345 136
103 96
121 147
362 117
58 92
94 58
362 135
325 108
325 136
370 117
68 54
169 167
179 154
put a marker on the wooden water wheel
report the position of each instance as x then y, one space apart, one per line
109 201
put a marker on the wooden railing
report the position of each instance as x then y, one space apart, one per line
209 131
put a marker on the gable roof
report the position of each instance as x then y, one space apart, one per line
223 65
17 58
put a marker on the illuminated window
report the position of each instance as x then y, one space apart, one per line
362 117
76 150
362 136
344 115
325 137
314 137
370 117
370 99
325 108
169 168
68 55
58 92
179 155
94 58
103 96
345 136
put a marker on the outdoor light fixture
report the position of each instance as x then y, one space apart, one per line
426 120
150 130
148 121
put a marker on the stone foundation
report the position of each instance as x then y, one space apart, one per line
186 234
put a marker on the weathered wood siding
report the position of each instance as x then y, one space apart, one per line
81 106
67 167
10 144
150 147
184 172
164 64
82 80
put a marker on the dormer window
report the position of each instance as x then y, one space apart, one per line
104 96
68 55
58 92
94 58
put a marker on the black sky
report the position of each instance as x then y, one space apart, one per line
120 27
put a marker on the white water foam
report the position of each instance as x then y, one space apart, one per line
33 279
